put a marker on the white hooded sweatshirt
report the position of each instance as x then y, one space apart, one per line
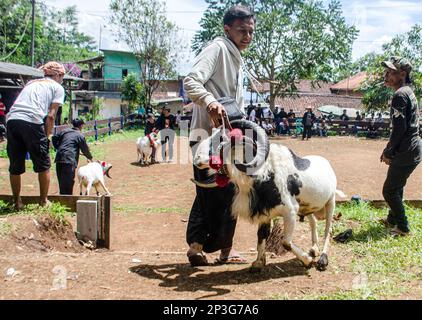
216 73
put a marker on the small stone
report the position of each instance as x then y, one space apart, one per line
10 272
252 249
31 236
136 261
69 244
184 220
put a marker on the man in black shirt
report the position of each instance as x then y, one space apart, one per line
308 121
166 124
404 149
68 144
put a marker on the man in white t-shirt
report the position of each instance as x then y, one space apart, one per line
30 122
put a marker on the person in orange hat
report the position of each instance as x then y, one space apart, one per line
30 122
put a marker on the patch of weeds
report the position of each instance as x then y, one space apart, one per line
387 261
57 211
6 208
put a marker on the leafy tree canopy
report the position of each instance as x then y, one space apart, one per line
294 40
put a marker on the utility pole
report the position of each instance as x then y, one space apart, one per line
33 34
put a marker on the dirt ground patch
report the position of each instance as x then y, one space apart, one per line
150 210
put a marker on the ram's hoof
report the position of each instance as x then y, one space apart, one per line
256 267
322 262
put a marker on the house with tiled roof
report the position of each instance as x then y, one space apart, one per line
344 94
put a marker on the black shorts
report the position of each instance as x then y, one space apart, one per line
23 137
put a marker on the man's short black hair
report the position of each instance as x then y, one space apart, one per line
76 123
237 12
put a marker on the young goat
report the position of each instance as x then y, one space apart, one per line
93 174
275 183
145 146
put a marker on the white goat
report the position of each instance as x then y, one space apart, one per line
92 174
144 147
283 184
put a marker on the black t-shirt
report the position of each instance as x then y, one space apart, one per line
148 127
68 144
405 146
168 122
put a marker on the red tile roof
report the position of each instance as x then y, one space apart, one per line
350 84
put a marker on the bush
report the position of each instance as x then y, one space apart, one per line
331 134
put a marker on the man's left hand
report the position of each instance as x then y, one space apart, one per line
387 161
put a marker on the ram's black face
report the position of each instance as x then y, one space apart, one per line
247 154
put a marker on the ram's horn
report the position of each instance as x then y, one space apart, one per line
204 185
108 171
262 144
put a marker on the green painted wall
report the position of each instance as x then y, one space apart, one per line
114 64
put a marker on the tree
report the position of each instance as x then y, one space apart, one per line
408 45
56 34
294 40
153 39
132 91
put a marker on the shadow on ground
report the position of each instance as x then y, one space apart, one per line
184 278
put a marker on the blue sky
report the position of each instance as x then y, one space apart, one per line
378 20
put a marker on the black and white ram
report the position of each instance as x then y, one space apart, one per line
275 183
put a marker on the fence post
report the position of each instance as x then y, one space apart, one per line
109 126
121 122
96 130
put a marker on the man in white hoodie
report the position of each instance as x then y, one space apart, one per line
217 73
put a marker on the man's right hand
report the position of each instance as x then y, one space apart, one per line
216 111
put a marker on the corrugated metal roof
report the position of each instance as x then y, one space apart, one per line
21 70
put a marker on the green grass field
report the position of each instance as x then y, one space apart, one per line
385 266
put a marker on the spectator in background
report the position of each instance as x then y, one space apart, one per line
30 122
358 116
283 114
322 128
379 118
149 109
166 123
268 127
276 113
291 114
68 144
344 116
150 126
178 118
252 115
259 114
372 131
308 121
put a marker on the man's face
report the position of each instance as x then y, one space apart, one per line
393 78
241 32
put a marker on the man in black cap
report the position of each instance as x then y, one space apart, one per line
68 144
404 149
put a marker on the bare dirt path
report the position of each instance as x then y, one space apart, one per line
150 209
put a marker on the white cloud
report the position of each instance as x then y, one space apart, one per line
377 20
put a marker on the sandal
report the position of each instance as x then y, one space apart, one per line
386 223
396 232
198 260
